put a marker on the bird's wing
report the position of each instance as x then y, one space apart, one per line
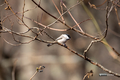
59 38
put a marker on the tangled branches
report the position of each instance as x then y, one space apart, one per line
44 29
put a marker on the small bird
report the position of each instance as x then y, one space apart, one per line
62 40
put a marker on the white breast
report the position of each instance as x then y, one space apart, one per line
62 41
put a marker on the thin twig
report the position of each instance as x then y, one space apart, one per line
73 19
33 75
38 69
88 74
58 11
13 71
23 10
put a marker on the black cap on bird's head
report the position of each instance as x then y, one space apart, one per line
68 35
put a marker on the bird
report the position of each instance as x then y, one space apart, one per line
61 39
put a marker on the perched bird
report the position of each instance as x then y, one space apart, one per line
62 40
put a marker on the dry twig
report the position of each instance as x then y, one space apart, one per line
88 74
38 69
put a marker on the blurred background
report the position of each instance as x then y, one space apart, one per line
60 63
